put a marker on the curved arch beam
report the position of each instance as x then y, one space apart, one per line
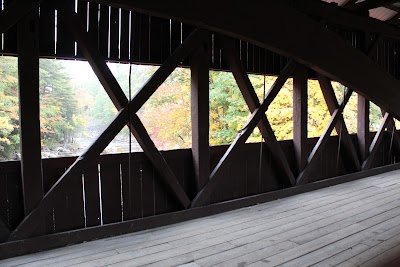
274 25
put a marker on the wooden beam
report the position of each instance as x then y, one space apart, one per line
363 127
251 99
391 127
373 46
88 48
349 3
153 154
349 153
15 11
200 93
4 231
57 240
116 94
373 149
300 116
301 37
318 148
29 109
370 4
234 149
30 223
346 17
329 12
395 19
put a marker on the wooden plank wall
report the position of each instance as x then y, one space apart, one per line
125 36
121 187
11 202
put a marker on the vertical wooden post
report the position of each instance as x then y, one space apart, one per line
200 115
28 76
300 111
363 128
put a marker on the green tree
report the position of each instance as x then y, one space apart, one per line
9 114
58 104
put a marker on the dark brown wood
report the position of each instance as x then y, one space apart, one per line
4 231
82 9
132 189
370 4
318 148
340 16
69 206
135 37
118 97
203 196
102 39
111 192
47 29
93 21
363 127
88 48
4 226
28 226
157 39
52 169
92 196
125 35
373 149
300 116
147 173
373 46
16 11
158 161
16 248
349 3
200 115
349 153
391 128
14 204
65 45
28 77
253 103
309 43
144 37
30 223
114 32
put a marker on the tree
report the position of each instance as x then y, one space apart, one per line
167 113
9 113
59 116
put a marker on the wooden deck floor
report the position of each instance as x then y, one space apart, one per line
352 224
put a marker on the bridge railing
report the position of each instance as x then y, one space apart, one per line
123 187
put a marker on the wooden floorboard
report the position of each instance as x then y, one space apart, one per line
351 224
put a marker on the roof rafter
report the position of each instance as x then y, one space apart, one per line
370 4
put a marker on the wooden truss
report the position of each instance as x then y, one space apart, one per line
195 47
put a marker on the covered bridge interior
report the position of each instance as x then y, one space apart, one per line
50 203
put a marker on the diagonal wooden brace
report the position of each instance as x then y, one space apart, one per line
30 223
349 152
391 128
234 149
116 94
4 230
373 149
323 139
15 12
250 96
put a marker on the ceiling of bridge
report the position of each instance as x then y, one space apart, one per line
384 10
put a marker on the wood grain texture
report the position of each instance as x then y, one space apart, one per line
351 224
